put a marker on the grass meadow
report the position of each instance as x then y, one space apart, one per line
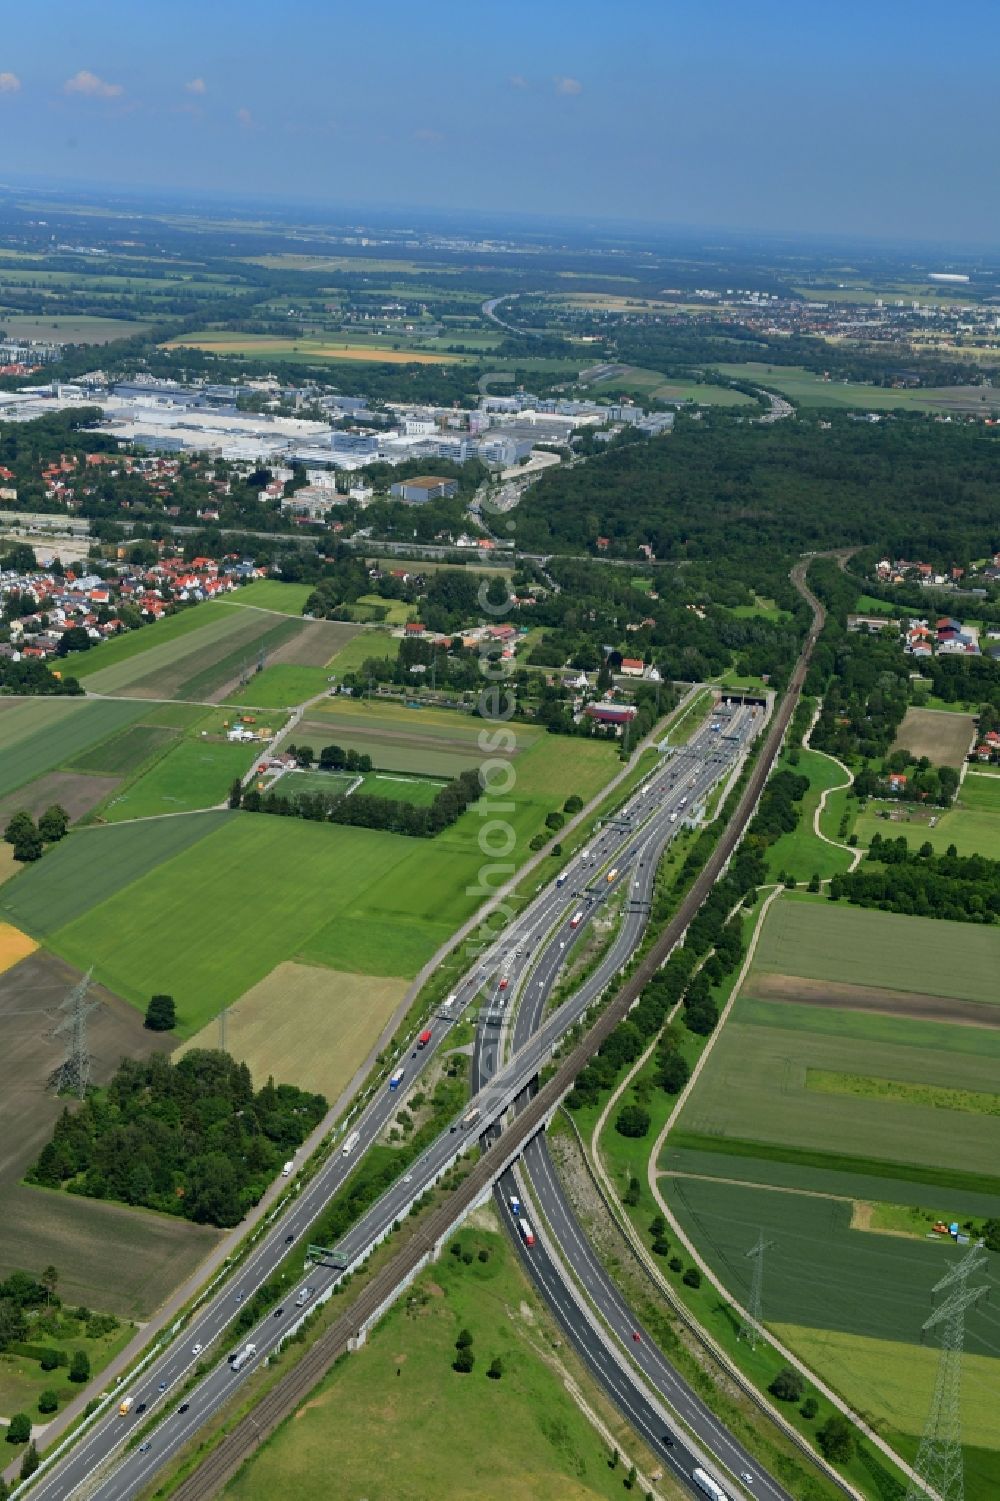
420 1429
800 853
193 774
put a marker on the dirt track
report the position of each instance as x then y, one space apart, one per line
909 1003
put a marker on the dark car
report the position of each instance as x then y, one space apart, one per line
140 1407
668 1440
289 1239
278 1312
183 1408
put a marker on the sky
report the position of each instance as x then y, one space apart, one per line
843 117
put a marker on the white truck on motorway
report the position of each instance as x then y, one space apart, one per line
242 1357
350 1143
705 1483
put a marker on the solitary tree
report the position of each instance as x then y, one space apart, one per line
19 1428
47 1400
787 1385
50 1281
53 824
464 1361
496 1369
161 1014
29 1461
464 1340
79 1367
632 1121
236 793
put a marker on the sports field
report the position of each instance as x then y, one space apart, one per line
303 783
402 789
942 737
822 940
305 1025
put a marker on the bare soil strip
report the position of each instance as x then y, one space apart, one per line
841 997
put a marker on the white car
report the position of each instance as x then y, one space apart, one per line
746 1477
197 1349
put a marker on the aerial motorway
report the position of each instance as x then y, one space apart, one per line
106 1462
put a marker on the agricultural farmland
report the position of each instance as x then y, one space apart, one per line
821 940
431 742
41 734
942 737
306 1025
109 1258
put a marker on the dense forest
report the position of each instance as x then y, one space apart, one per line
723 488
191 1139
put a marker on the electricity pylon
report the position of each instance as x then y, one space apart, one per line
73 1074
938 1467
751 1329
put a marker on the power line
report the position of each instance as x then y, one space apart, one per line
939 1468
751 1329
73 1074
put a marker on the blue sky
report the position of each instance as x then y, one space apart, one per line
848 117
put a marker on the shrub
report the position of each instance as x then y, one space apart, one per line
463 1362
496 1369
49 1360
161 1014
787 1385
79 1366
632 1121
809 1408
464 1339
835 1439
692 1277
47 1400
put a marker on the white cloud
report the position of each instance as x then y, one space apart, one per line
245 118
196 86
91 87
518 81
9 83
567 85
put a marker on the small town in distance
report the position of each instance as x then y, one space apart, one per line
499 755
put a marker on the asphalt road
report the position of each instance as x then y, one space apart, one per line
611 1352
529 952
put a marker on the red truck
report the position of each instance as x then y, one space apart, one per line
424 1038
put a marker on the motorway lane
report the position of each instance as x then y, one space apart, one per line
587 1267
654 800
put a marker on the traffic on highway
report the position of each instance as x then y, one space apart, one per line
525 961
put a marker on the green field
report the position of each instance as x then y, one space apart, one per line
352 657
210 923
216 917
303 783
193 774
972 824
70 328
820 1273
855 945
48 737
418 1429
284 686
811 390
124 751
114 665
91 865
800 853
401 789
272 594
757 1088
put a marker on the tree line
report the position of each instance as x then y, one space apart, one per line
894 878
363 811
